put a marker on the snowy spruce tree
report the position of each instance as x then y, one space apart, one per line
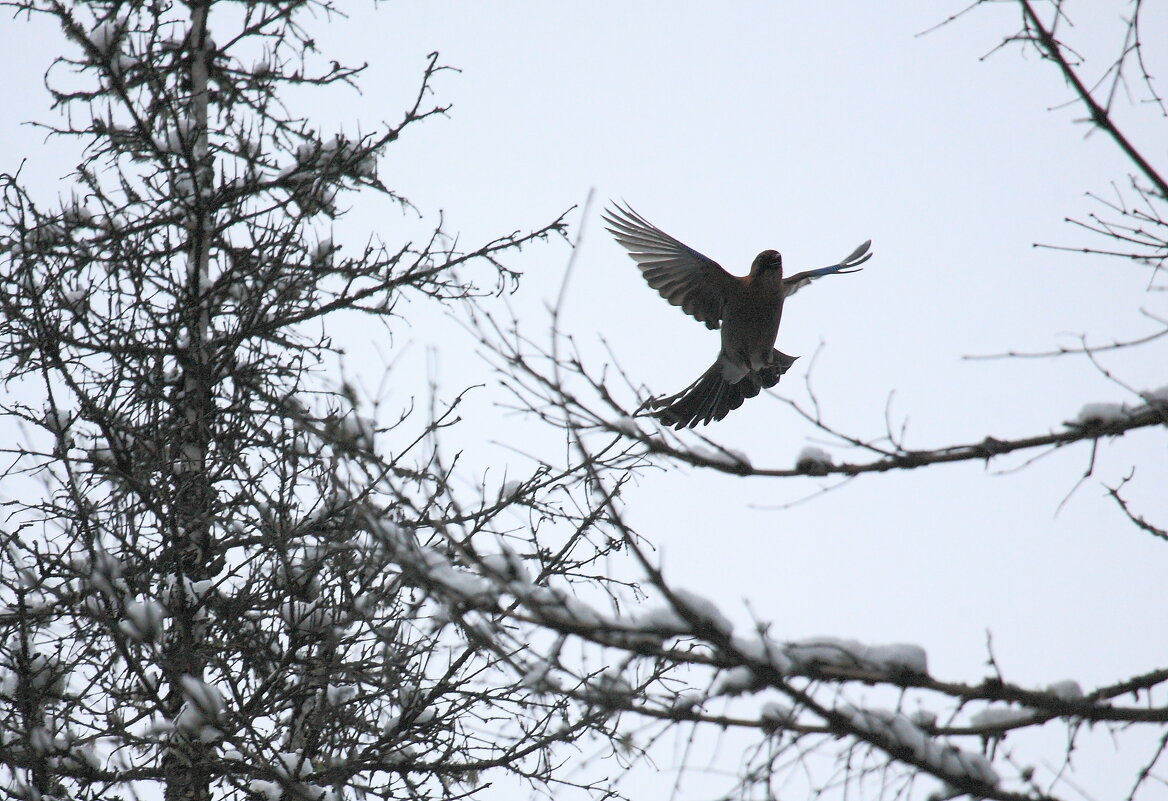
218 577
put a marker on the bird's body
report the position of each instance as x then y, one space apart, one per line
750 320
747 309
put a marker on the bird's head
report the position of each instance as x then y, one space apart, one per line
766 261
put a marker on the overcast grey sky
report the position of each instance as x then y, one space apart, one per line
805 127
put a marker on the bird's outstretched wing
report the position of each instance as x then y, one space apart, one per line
682 276
849 265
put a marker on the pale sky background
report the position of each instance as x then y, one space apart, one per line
805 127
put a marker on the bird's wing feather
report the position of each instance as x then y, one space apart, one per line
682 276
849 265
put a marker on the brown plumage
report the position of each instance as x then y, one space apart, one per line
747 309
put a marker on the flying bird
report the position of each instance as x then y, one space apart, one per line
747 309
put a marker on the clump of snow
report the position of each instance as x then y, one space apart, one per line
687 700
202 705
184 186
739 457
144 621
1097 413
816 652
109 222
405 753
309 618
753 648
30 282
1159 395
507 565
925 718
662 620
340 149
106 574
1066 690
703 612
777 713
205 697
366 166
121 64
40 740
899 730
77 300
763 649
45 674
269 791
184 591
466 585
320 254
824 652
319 168
896 658
999 716
815 461
84 756
720 456
57 420
735 681
106 35
250 148
293 764
77 213
171 143
559 606
149 682
45 236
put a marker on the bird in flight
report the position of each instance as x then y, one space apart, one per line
747 309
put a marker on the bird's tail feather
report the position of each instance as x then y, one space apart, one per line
712 397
